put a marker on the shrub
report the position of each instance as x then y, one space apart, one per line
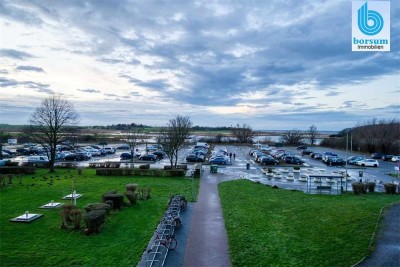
132 196
359 188
11 164
76 218
390 188
107 193
98 206
2 180
70 217
142 172
17 170
131 187
94 221
182 167
371 187
109 203
10 177
144 166
117 200
144 193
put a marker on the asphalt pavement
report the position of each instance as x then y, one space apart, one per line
387 242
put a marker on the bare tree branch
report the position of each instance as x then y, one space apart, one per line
53 120
243 133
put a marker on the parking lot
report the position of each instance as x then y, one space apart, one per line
238 166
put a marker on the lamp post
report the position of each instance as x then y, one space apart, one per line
193 185
347 155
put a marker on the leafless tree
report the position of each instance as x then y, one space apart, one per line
132 136
243 133
293 137
377 136
2 139
173 137
312 134
50 122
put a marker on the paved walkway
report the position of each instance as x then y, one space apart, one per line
207 243
387 250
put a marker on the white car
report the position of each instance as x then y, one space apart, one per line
91 150
396 159
109 150
368 163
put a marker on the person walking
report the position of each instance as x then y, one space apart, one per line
230 156
234 156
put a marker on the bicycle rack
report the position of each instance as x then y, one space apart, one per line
157 252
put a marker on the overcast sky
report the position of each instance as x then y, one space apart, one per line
271 64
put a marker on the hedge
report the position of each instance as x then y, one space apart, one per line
140 172
17 170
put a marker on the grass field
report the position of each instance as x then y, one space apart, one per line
42 243
274 227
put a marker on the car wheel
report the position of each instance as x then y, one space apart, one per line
375 165
362 165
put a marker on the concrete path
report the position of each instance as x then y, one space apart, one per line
207 243
387 250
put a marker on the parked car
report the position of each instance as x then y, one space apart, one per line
109 150
294 160
387 157
125 156
195 158
307 152
31 160
4 154
148 157
396 159
353 160
124 147
377 155
268 161
328 154
368 163
317 156
334 161
159 154
11 153
93 151
219 160
76 157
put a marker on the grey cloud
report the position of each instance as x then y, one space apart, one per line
110 94
333 93
30 68
89 90
39 87
15 54
13 10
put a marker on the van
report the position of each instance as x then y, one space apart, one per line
31 160
12 142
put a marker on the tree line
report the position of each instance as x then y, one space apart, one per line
371 136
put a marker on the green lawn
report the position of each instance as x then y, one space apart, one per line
42 243
275 227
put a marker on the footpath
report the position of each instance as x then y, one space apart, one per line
387 241
207 243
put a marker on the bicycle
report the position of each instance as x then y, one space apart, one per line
172 219
169 241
